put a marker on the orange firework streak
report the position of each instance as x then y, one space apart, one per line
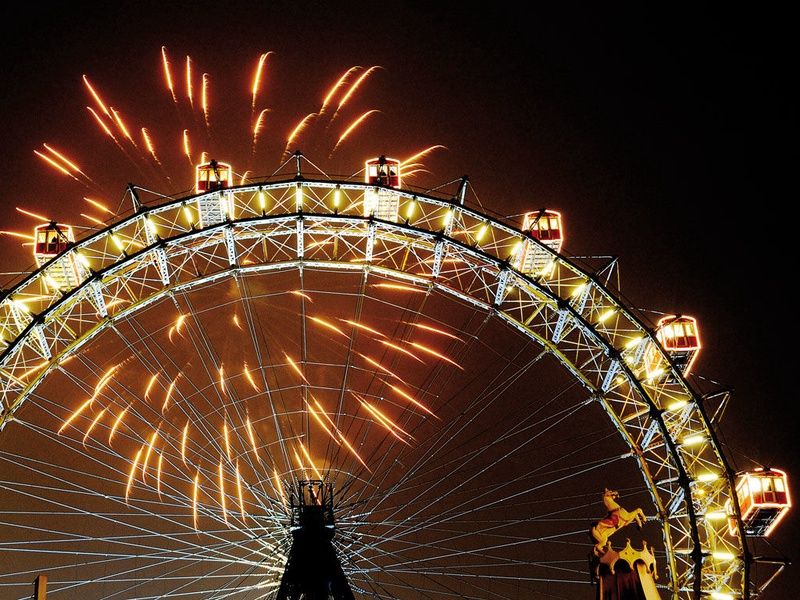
387 423
236 322
299 462
252 437
298 130
411 399
311 462
121 126
297 293
222 493
99 205
421 154
132 474
101 123
54 164
258 126
146 460
89 430
295 367
342 80
322 424
117 423
158 473
170 389
221 381
148 142
168 73
227 440
339 433
204 98
379 366
96 97
354 87
364 327
104 380
194 498
257 77
279 486
186 150
64 159
184 438
434 330
239 490
150 386
243 178
433 352
352 128
400 287
189 80
23 236
328 325
249 377
403 350
32 214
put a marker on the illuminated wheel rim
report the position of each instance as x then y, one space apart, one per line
454 255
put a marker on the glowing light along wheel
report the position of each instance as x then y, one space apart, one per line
158 409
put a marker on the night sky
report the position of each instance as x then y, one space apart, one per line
663 136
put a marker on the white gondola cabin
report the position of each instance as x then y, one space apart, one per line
680 337
546 227
382 201
209 177
49 241
764 501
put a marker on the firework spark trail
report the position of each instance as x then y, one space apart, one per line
421 154
92 426
249 378
186 149
101 123
257 79
221 381
24 236
353 89
66 161
222 493
295 367
252 437
295 134
99 205
328 325
433 352
170 389
121 126
259 124
189 80
342 80
116 425
96 97
322 423
184 438
168 74
55 165
411 399
351 128
433 330
104 381
402 350
387 423
195 491
76 413
146 460
243 178
297 293
379 366
150 385
364 327
226 439
132 474
279 486
204 102
239 490
148 143
300 464
400 287
33 214
311 462
158 473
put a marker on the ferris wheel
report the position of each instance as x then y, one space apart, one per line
387 393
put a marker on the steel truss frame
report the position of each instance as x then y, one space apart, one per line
436 243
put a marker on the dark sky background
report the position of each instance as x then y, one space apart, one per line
664 135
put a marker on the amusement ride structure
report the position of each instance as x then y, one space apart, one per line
311 387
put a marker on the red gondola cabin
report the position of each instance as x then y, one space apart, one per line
680 337
381 201
213 176
764 501
383 171
543 225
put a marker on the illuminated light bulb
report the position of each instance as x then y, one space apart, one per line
82 259
481 232
656 373
187 212
448 217
117 242
723 555
707 477
606 315
412 206
693 440
298 198
337 197
151 226
515 250
677 405
578 290
262 200
634 342
21 306
715 516
721 596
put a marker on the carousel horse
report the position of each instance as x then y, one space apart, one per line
616 519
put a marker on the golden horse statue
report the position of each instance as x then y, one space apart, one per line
616 519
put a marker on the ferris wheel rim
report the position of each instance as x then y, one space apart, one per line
428 234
